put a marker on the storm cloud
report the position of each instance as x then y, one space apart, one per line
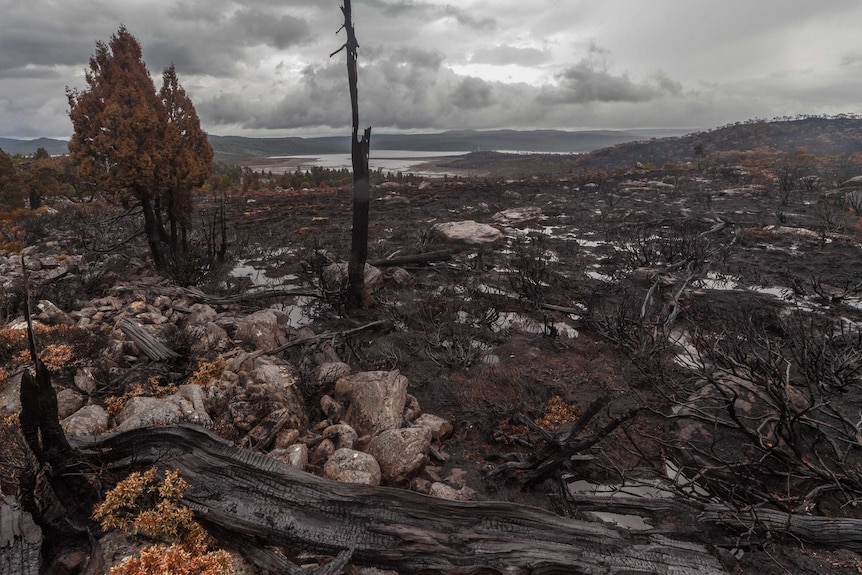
263 67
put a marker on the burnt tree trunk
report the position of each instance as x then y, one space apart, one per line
152 229
359 151
250 501
61 493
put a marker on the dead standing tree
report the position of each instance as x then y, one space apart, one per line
359 151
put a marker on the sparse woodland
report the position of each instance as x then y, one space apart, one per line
666 332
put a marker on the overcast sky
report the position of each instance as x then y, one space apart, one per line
263 67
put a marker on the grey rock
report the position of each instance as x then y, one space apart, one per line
466 232
377 401
343 436
85 380
295 455
285 438
207 338
331 409
330 372
322 452
439 427
517 215
87 421
68 402
10 395
186 406
443 491
401 453
264 329
50 314
335 276
352 467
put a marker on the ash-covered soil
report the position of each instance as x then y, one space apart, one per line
651 289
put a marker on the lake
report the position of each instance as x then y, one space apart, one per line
387 160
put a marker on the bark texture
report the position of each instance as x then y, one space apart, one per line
20 540
251 500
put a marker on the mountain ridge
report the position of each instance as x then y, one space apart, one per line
236 148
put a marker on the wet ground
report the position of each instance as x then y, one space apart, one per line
504 329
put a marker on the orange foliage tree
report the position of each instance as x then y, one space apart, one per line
187 155
130 144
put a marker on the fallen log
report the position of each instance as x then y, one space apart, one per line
721 524
330 335
153 348
247 498
20 540
423 258
249 296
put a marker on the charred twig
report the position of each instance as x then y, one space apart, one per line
561 448
324 336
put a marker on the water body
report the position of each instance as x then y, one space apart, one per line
405 161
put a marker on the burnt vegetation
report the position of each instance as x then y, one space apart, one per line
692 323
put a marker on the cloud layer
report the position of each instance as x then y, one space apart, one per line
263 67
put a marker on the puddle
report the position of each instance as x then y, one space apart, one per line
714 281
632 522
688 356
245 270
599 276
300 313
624 520
652 489
509 320
686 484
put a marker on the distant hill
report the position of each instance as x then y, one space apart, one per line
839 136
235 148
835 137
28 147
604 149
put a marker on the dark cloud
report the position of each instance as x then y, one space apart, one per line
259 27
426 11
225 109
191 57
510 55
23 49
472 94
590 81
851 61
263 66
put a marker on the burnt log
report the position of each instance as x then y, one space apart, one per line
153 348
247 499
423 258
722 525
20 540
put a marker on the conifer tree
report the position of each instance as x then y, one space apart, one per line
187 157
136 144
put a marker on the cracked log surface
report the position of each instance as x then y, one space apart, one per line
254 497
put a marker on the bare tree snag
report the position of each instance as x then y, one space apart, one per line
249 500
61 493
359 151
